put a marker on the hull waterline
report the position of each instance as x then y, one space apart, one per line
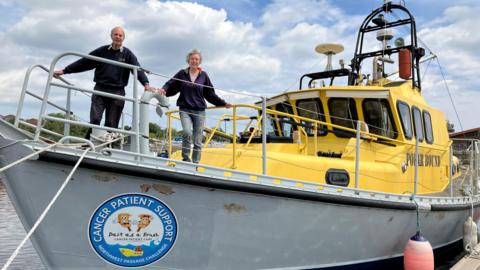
221 224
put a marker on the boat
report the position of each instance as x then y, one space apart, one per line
131 252
331 176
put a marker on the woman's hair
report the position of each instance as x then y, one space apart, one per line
194 51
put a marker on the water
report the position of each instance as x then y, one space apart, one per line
12 233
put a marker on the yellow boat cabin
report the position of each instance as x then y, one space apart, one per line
364 134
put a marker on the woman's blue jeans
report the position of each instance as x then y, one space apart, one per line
192 124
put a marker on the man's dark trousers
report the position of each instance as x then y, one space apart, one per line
113 107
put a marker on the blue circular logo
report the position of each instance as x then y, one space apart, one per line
132 230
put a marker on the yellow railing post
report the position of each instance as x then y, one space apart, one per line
304 132
210 137
169 135
254 131
234 165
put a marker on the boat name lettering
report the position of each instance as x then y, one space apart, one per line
423 160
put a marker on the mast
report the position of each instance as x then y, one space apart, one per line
376 22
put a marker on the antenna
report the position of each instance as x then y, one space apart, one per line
384 35
329 49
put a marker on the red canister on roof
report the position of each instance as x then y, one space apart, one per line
405 64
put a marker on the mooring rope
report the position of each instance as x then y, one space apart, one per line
27 157
44 213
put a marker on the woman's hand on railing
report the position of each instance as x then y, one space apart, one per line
228 105
161 91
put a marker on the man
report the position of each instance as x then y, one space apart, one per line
108 78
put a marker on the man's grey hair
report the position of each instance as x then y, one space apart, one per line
192 52
119 27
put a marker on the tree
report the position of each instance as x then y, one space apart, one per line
155 131
58 127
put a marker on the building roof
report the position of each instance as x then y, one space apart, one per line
464 133
9 117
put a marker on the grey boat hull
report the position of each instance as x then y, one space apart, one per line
222 224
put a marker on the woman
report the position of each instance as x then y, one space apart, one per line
195 87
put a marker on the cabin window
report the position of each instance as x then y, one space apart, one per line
405 118
343 112
417 123
312 108
283 125
427 120
271 127
379 118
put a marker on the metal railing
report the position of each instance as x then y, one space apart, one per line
263 115
468 153
25 91
312 123
135 131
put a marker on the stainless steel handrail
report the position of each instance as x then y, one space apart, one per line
25 91
135 121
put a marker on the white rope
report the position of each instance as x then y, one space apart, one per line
120 137
26 157
449 95
44 213
317 63
245 93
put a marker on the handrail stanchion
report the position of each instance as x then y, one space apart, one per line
357 155
135 114
264 135
472 182
476 154
450 162
234 160
66 127
415 180
46 94
122 123
22 96
169 124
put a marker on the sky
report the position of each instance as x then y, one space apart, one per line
260 47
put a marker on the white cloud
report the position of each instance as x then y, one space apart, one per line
11 79
281 15
454 40
266 56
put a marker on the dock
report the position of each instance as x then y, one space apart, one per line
470 261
